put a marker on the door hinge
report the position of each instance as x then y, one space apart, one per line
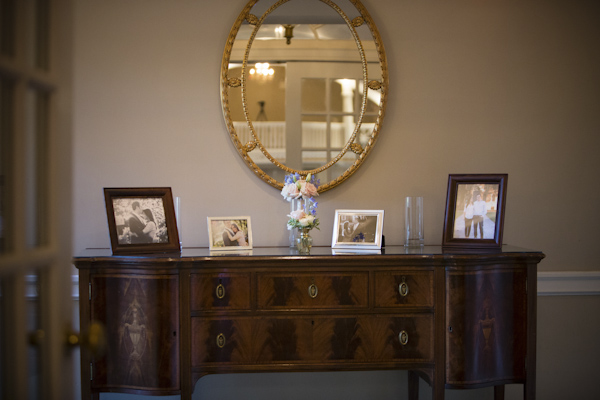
90 291
91 371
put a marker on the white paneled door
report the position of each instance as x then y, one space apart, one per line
35 200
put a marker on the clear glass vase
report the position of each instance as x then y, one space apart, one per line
293 233
304 241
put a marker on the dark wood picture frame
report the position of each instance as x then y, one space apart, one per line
141 220
465 227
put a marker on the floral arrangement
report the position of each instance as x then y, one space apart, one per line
295 188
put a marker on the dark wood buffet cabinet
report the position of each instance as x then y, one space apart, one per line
456 320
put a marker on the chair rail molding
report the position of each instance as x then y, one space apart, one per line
569 283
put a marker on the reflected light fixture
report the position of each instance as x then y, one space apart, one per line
262 70
289 33
279 32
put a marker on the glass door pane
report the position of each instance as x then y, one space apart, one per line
6 161
8 27
36 336
3 339
37 168
41 34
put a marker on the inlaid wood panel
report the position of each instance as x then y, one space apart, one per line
227 291
404 288
314 291
487 329
141 316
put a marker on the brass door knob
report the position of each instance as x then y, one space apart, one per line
94 339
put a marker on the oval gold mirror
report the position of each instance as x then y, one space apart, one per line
303 88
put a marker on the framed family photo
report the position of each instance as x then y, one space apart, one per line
474 215
141 220
357 229
229 233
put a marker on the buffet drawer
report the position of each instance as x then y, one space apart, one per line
314 291
410 288
324 339
220 291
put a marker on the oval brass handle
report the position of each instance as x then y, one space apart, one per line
94 339
221 340
313 290
403 337
403 288
220 291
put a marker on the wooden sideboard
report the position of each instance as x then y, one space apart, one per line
455 320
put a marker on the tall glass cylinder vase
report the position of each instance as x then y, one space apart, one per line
413 221
178 219
294 205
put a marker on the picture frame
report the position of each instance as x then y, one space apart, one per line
224 233
468 224
357 229
141 220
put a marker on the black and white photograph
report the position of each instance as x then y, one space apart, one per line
229 233
474 210
360 229
141 220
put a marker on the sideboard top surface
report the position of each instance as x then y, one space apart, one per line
325 254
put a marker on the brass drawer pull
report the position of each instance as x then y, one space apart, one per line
403 288
220 291
403 337
221 340
313 291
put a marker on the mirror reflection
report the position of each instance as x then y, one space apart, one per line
302 103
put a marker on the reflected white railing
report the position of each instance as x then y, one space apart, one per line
272 135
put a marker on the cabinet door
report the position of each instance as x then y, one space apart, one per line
486 326
141 314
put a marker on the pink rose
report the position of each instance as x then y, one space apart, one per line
290 191
307 189
298 214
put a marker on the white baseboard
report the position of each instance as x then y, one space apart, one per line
573 283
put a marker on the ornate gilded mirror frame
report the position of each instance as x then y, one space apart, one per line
238 85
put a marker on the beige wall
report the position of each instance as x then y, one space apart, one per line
475 87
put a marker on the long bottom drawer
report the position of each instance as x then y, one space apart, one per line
252 340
